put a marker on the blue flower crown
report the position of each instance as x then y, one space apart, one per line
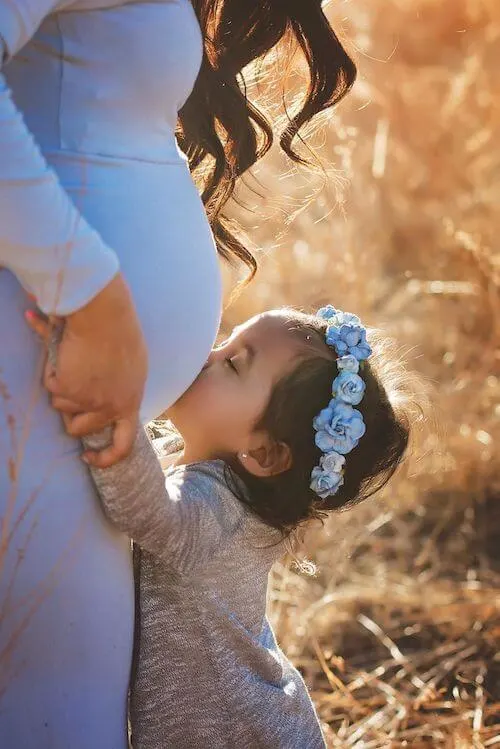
339 426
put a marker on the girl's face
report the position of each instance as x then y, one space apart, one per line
218 414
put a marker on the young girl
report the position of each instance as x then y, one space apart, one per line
266 449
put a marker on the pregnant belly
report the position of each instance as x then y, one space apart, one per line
153 218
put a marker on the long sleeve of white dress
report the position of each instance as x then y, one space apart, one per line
44 240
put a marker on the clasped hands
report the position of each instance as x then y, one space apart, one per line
101 369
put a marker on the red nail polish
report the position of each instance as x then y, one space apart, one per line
29 314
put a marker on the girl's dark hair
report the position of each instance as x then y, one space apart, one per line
284 501
222 132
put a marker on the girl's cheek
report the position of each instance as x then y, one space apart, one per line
192 401
201 387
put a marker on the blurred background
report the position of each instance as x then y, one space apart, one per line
397 634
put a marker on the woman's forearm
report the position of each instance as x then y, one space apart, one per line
44 240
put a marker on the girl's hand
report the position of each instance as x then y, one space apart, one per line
101 369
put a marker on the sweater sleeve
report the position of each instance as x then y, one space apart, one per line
44 240
176 518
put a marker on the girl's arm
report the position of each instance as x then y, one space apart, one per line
174 517
44 240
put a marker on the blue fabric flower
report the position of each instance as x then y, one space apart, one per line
349 338
349 387
339 426
325 484
326 312
343 429
346 318
332 462
324 417
348 363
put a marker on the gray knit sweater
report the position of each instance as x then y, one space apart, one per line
209 671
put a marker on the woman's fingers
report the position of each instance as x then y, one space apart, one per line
66 420
43 326
39 324
59 393
65 405
50 381
86 423
53 385
123 440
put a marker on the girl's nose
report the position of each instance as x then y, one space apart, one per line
212 357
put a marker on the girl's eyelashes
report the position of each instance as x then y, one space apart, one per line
231 365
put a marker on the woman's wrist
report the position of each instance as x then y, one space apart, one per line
113 300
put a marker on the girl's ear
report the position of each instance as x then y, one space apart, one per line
265 456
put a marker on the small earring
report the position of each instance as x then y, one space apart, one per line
243 456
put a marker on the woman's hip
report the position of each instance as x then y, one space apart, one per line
61 562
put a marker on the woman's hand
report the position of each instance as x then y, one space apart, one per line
101 369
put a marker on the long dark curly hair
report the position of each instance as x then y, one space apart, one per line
222 132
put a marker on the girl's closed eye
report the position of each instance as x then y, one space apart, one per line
231 363
241 362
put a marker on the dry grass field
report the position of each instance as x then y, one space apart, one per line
398 632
